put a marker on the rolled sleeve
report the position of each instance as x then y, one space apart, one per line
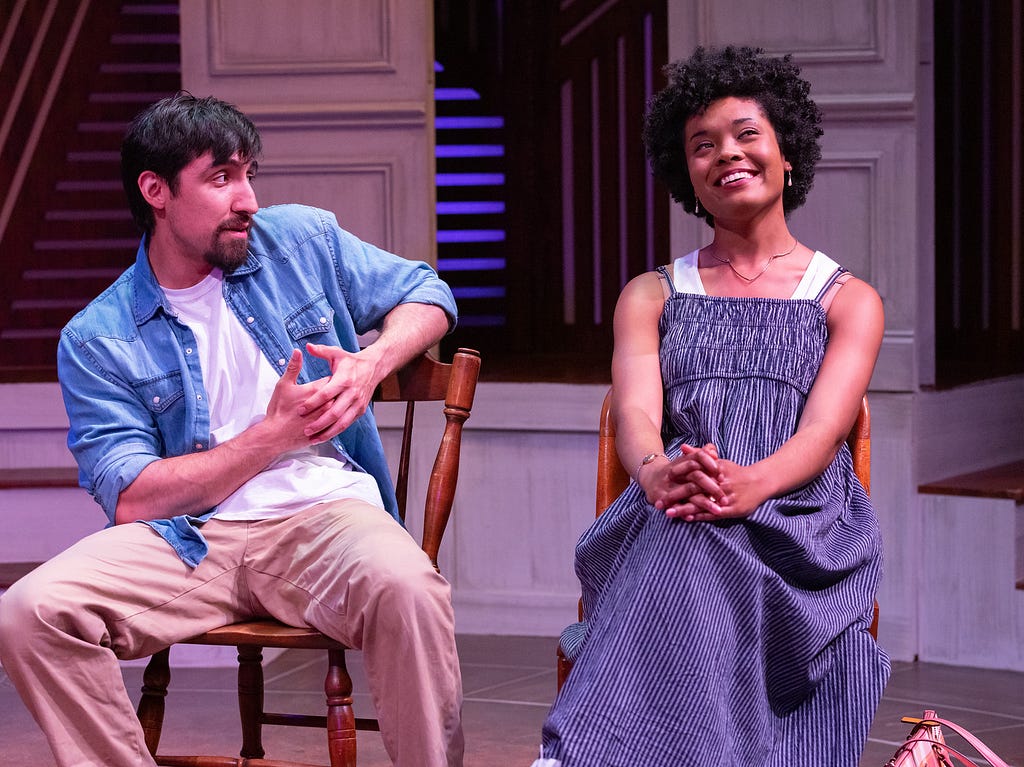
111 434
375 281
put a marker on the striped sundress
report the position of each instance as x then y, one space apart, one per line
742 643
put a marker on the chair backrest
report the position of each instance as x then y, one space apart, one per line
427 379
859 441
612 478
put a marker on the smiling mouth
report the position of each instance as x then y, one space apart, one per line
732 178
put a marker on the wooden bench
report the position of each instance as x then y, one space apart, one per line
11 571
1005 481
970 549
57 476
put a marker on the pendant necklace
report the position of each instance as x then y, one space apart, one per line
764 269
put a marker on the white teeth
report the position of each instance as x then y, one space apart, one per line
735 177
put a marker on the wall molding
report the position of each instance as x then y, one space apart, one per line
850 107
361 115
873 51
220 65
383 171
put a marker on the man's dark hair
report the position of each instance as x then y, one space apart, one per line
168 135
741 72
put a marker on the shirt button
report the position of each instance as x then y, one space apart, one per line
156 400
282 362
323 320
199 445
199 396
250 320
189 350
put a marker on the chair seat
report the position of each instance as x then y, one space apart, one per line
267 633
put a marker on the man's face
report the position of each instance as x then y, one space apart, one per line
208 215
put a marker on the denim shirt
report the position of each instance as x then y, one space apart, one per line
130 374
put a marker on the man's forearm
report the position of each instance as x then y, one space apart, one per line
194 483
408 330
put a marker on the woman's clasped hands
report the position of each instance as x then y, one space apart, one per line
698 486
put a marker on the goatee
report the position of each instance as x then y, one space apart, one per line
228 255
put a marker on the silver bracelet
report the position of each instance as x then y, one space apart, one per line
646 460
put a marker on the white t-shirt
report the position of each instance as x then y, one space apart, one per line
686 276
239 382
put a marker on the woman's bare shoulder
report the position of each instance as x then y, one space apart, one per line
856 305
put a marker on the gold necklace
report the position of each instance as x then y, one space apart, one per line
767 263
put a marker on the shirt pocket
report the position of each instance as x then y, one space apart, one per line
161 393
313 323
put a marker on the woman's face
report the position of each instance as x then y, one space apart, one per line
734 160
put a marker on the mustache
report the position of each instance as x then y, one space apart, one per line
237 222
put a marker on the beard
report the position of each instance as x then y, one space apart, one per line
228 254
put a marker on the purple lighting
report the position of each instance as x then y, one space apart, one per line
470 179
497 291
470 264
468 123
482 320
468 150
469 208
471 235
456 94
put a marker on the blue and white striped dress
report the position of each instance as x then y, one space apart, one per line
742 643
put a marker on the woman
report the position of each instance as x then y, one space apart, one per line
729 590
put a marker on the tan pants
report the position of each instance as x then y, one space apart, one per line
344 568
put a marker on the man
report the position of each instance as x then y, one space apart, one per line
217 395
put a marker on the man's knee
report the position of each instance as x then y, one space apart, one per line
20 610
47 602
411 590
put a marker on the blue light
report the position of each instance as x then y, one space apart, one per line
468 123
479 292
471 235
470 179
456 94
469 208
481 320
469 150
470 264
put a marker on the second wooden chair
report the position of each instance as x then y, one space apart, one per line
423 379
612 479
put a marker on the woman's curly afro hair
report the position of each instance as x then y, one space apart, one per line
742 72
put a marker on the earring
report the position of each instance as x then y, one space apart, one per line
789 178
696 206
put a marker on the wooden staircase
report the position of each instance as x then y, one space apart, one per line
72 75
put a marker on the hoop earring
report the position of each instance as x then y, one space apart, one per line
696 206
789 178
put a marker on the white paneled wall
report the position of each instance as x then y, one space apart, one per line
342 93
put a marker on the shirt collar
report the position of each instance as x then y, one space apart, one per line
149 296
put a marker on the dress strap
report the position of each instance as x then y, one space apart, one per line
663 271
832 280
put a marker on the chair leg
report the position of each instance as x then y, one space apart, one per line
563 668
341 722
250 700
155 679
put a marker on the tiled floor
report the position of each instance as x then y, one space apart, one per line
509 683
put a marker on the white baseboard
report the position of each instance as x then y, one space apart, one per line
513 613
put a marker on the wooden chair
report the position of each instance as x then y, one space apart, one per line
423 379
612 479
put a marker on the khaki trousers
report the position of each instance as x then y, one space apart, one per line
344 568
